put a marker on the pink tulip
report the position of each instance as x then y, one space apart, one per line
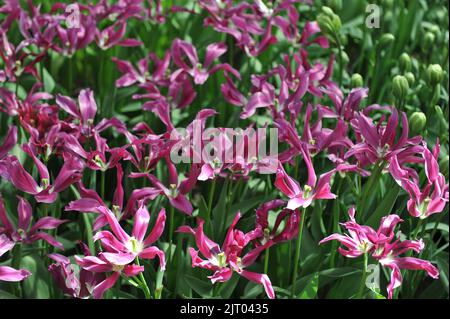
226 259
433 197
383 247
8 273
23 233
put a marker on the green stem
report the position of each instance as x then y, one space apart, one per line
102 185
341 65
70 75
297 252
266 260
418 228
15 263
143 283
363 278
210 199
171 229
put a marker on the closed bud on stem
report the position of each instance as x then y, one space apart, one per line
435 74
329 22
386 40
439 113
357 80
387 4
405 63
428 41
417 122
400 87
411 78
336 5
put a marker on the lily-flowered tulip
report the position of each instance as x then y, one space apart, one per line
377 142
23 233
96 159
433 197
182 50
226 259
91 202
176 192
113 35
8 273
116 263
20 59
134 246
9 142
383 247
84 112
313 190
141 74
270 231
74 283
46 191
120 250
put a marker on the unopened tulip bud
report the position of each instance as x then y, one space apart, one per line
336 5
386 40
400 87
410 77
328 21
435 74
439 113
428 41
357 80
345 58
405 63
387 4
417 122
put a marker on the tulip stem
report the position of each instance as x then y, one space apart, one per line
363 278
102 185
210 199
418 228
341 66
171 229
142 283
266 260
297 252
15 263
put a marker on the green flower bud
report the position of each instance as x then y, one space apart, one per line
327 11
325 24
417 122
329 22
410 77
405 62
357 80
388 16
387 4
439 113
345 58
435 74
428 41
443 166
386 40
436 31
400 87
343 38
336 5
